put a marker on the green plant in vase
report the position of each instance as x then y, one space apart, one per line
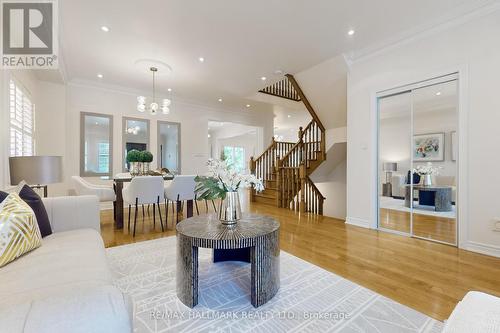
134 159
146 159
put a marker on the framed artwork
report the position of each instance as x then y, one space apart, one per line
428 147
454 146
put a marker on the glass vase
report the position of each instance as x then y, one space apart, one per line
230 208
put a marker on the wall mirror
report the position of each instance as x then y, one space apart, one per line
135 133
96 142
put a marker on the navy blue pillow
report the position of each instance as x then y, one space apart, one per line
35 202
416 178
3 195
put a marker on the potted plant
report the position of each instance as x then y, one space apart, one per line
134 159
427 171
146 158
222 182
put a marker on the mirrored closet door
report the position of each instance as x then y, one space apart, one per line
418 153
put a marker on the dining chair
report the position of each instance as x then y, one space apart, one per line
105 193
180 189
144 190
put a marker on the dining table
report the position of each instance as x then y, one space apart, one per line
118 182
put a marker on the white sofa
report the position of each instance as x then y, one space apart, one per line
477 312
65 285
398 182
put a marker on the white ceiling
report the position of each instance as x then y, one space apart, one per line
241 41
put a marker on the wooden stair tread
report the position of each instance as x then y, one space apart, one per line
265 196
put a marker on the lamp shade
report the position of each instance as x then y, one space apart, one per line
35 170
390 166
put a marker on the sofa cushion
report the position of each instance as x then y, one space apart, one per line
66 261
35 202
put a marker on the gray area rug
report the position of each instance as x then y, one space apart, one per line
310 299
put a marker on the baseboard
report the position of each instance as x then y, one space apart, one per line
358 222
490 250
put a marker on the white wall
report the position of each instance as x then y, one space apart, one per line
334 189
474 50
325 87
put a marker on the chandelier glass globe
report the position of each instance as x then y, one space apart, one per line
153 107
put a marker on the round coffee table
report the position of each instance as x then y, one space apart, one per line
254 238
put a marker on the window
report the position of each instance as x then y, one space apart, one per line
22 121
235 157
96 145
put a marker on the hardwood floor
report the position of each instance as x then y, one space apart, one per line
423 275
427 226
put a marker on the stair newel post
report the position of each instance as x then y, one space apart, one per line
252 171
301 146
302 175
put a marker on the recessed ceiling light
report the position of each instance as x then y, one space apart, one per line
351 32
248 105
100 75
201 59
209 135
263 78
438 93
105 28
289 116
278 72
220 99
169 89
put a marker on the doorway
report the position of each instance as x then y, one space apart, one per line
169 146
418 160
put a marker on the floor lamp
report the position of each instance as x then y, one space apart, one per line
37 171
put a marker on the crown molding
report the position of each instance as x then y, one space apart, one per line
420 32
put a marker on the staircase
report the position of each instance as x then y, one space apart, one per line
285 166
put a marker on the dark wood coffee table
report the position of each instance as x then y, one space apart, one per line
254 236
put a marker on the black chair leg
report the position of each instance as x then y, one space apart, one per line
166 212
213 203
129 209
196 204
154 215
178 206
143 213
135 215
206 205
173 210
159 213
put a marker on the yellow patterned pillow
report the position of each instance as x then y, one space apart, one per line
19 233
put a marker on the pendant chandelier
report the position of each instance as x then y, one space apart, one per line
153 107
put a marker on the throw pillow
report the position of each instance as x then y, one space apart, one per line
3 195
36 203
19 233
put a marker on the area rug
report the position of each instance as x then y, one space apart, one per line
310 299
